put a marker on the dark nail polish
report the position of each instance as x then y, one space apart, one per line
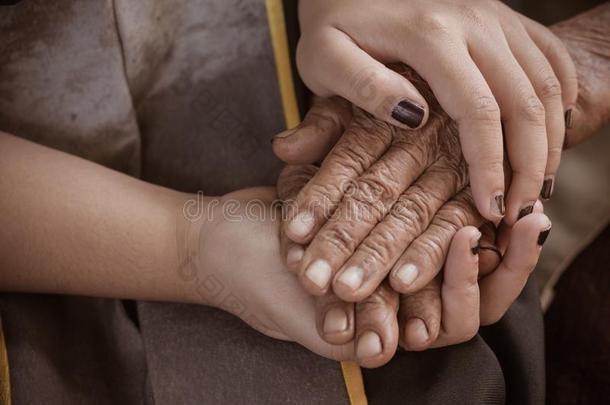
525 211
568 118
543 236
408 113
501 209
547 189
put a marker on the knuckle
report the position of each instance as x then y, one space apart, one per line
377 249
550 88
474 16
430 22
531 110
485 109
432 245
339 238
319 196
412 210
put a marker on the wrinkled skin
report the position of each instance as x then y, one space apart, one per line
587 38
377 200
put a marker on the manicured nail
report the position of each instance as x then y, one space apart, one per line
335 321
497 205
418 330
547 188
294 256
568 118
525 211
407 274
475 244
285 134
302 224
543 236
352 277
408 113
369 345
319 273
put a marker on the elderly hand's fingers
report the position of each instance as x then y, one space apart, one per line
335 319
548 88
377 327
331 63
292 179
419 316
363 143
311 141
425 257
407 219
363 206
501 288
460 290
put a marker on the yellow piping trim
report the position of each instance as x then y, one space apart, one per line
352 374
279 41
5 385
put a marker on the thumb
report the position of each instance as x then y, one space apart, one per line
333 64
311 141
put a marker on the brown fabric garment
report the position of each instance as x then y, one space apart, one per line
578 330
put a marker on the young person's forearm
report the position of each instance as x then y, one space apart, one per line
71 226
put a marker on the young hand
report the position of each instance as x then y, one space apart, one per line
486 64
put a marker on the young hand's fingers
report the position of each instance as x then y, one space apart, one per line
425 257
334 319
360 147
460 289
365 204
501 288
464 94
408 218
331 63
377 327
558 56
311 141
548 88
523 116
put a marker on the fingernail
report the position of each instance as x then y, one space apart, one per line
352 277
302 224
408 113
547 188
543 236
525 211
319 273
497 205
407 274
335 321
369 345
285 134
475 244
418 330
294 256
568 118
